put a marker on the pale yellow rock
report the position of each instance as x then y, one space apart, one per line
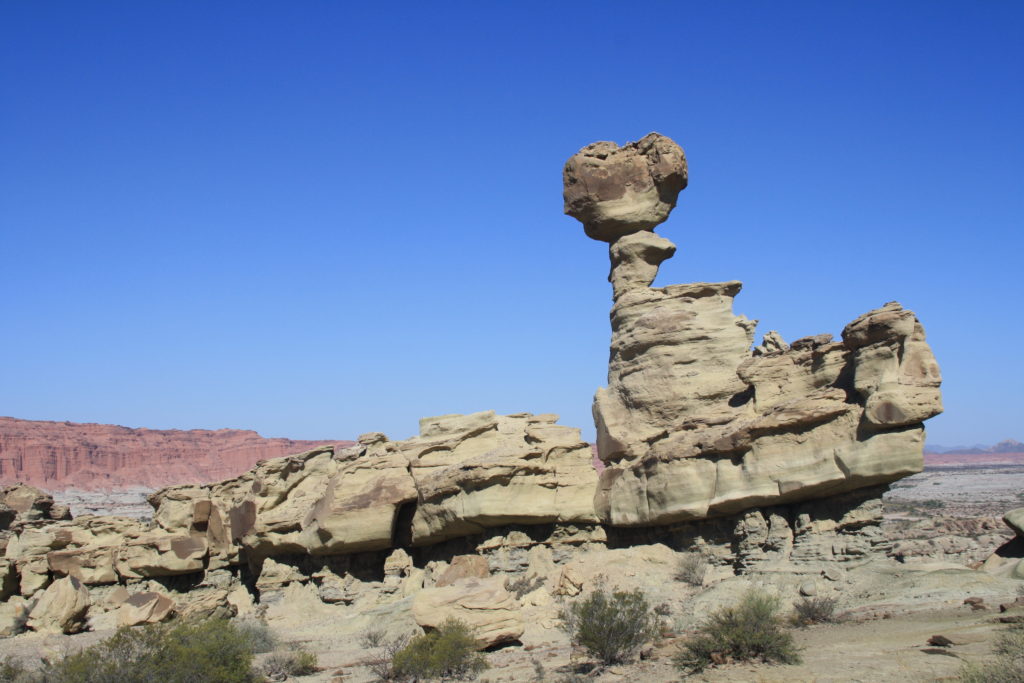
358 507
212 604
570 583
484 470
275 575
484 604
61 608
92 565
144 608
34 575
159 553
464 567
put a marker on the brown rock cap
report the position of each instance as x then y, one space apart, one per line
615 191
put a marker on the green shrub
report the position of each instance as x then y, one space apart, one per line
809 611
211 651
1007 666
382 649
523 585
290 663
692 568
750 630
261 638
610 626
448 653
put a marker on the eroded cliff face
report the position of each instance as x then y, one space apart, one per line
696 423
60 455
461 475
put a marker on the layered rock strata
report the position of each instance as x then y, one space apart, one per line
696 423
60 455
463 474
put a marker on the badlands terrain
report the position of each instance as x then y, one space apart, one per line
793 467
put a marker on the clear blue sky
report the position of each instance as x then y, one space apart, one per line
319 219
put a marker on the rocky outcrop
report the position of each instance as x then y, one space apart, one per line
462 474
484 604
22 503
59 455
766 459
694 422
1008 559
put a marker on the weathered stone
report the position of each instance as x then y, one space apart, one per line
160 554
1015 520
616 190
144 608
91 565
275 576
483 470
211 604
61 608
30 504
696 424
464 567
484 604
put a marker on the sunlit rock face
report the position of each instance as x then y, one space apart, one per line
695 421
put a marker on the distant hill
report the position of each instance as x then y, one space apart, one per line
1007 446
66 455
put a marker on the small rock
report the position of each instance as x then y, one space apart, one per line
808 589
832 573
940 641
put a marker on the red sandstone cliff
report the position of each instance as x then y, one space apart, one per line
61 455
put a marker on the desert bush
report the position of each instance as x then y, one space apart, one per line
610 626
1007 666
449 653
260 637
212 651
289 663
752 629
382 649
524 584
692 568
820 610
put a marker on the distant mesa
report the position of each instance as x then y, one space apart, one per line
61 455
1007 446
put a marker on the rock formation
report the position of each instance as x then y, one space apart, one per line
696 423
766 459
59 455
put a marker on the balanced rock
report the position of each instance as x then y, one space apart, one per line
695 422
616 190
